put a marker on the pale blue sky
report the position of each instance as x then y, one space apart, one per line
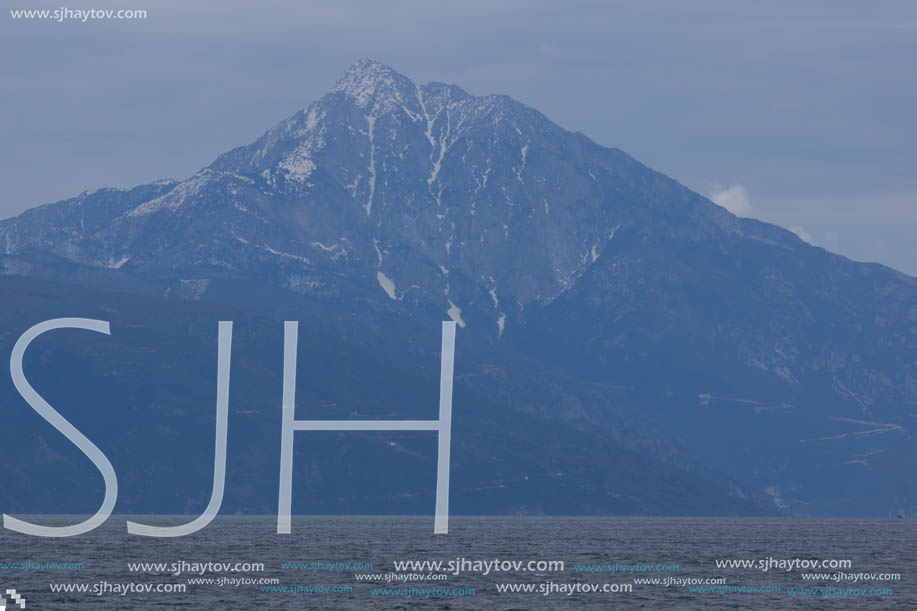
796 113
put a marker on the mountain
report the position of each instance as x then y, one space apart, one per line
594 294
472 207
146 395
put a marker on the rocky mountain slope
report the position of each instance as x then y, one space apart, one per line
725 347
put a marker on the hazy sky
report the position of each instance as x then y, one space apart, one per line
799 113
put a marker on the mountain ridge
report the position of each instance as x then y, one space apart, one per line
385 199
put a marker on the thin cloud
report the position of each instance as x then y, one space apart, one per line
735 199
804 235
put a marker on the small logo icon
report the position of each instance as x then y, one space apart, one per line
16 598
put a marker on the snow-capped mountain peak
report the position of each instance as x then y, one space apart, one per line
369 82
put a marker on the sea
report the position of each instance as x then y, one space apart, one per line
489 563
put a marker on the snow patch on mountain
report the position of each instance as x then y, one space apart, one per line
525 153
387 284
285 255
370 130
112 264
177 197
298 165
455 313
369 82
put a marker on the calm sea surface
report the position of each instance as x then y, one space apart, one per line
324 546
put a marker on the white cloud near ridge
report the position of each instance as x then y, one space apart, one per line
804 235
734 198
